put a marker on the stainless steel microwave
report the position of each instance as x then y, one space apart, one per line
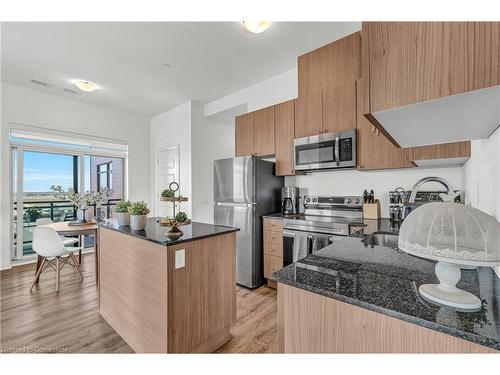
326 151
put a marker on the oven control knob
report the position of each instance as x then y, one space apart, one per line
308 200
356 201
315 200
349 201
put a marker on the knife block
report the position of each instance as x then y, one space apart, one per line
371 210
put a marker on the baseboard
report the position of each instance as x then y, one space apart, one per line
5 266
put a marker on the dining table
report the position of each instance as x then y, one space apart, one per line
64 228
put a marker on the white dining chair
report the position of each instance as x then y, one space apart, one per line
48 244
67 241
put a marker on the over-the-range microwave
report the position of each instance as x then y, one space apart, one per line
326 151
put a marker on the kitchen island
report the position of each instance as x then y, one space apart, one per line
352 298
166 295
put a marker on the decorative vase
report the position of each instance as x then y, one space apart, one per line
138 222
123 219
89 214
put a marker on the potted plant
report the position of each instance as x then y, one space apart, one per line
138 215
122 214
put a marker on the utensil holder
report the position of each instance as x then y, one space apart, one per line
371 210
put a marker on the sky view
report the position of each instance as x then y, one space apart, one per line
42 170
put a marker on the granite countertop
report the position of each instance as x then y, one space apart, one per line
387 281
154 232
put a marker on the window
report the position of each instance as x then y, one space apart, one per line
104 179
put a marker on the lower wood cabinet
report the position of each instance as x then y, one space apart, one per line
312 323
273 247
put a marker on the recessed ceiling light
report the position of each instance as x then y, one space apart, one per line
85 86
166 65
256 27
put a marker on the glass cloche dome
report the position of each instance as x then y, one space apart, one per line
451 232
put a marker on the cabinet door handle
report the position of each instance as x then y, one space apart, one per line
377 133
373 129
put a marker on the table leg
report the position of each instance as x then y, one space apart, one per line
80 244
96 255
38 264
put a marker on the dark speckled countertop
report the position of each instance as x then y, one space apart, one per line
386 281
154 232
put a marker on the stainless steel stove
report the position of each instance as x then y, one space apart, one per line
324 218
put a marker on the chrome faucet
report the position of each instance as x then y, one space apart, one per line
410 205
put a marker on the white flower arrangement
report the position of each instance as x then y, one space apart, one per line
83 199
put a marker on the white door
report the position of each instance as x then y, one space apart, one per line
168 171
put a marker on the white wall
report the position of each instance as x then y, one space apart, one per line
31 107
274 90
351 182
201 140
211 140
169 129
481 177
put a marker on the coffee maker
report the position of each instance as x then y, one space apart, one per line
290 201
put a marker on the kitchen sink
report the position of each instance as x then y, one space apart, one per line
389 240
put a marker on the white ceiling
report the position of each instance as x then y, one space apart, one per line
208 59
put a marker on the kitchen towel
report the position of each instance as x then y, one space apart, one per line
319 242
300 246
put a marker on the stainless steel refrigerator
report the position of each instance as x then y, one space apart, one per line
245 188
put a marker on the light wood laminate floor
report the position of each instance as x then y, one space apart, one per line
69 322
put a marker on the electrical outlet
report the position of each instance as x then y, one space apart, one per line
180 258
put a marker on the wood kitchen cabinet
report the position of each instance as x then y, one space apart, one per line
263 131
244 135
327 96
455 153
284 123
411 62
308 115
339 108
336 64
273 247
374 150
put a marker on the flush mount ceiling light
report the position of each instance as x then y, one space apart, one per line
85 86
256 27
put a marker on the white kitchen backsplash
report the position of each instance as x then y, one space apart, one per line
352 182
481 176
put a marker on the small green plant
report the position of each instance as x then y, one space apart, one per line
181 217
168 193
138 208
123 206
32 213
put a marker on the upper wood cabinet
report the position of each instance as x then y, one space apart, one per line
284 122
244 135
327 97
411 62
339 107
455 153
263 131
374 150
308 115
336 64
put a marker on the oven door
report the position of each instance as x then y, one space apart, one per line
299 244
